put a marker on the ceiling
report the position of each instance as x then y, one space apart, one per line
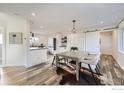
53 17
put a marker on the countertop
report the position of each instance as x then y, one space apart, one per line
37 48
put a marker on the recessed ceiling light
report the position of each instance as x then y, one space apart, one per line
33 14
101 22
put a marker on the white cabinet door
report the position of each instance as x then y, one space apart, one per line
36 57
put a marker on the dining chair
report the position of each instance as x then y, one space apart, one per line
90 64
72 49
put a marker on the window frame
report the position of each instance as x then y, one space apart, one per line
121 41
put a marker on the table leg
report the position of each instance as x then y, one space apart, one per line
77 70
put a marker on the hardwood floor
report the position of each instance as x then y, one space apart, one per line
113 74
45 74
37 75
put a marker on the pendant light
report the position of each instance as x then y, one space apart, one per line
73 29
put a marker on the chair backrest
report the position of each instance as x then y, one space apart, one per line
91 59
95 60
74 49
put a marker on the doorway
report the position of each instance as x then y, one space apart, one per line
106 43
2 47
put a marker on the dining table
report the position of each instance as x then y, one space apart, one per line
77 56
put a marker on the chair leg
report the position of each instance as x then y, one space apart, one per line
92 74
57 61
98 70
59 64
65 61
53 61
98 65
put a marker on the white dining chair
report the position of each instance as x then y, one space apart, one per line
90 63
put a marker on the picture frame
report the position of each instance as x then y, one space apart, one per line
15 38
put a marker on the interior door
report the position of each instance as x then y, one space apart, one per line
106 43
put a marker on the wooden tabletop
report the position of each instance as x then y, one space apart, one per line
82 56
74 55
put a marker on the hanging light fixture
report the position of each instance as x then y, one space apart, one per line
73 29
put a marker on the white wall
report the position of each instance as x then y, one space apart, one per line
42 34
106 43
42 38
0 52
16 54
0 46
78 40
92 42
119 57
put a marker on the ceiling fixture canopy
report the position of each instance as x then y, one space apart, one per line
74 29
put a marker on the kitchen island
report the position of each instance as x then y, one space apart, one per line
36 55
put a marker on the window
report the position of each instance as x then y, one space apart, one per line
122 40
